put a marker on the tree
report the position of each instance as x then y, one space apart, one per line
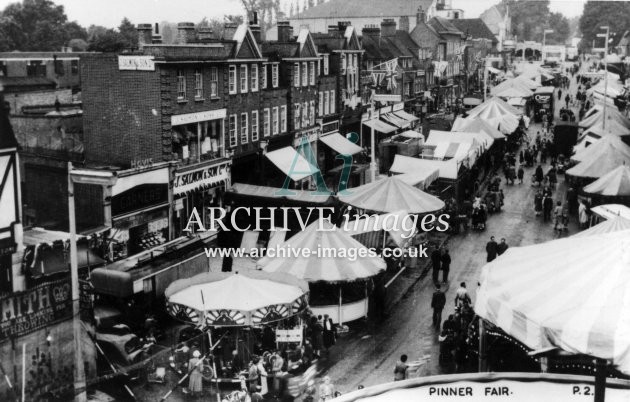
108 41
78 45
529 18
614 14
561 29
128 31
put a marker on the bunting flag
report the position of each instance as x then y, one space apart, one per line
390 66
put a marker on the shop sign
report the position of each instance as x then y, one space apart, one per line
140 63
24 312
289 335
206 176
386 98
310 137
139 197
540 98
141 163
207 115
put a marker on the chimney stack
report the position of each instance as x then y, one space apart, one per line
144 34
255 27
342 26
371 31
285 31
156 38
229 29
205 34
333 30
388 27
185 32
421 16
404 23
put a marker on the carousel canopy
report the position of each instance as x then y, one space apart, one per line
476 125
511 89
613 183
497 113
599 161
616 224
391 195
605 145
236 299
327 268
520 294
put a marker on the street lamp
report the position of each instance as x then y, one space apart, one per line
545 32
601 35
81 176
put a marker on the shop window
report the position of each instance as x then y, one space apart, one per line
181 85
304 74
254 77
326 104
305 122
274 75
74 67
276 120
326 64
243 78
283 118
232 124
296 116
232 79
332 101
254 125
296 74
197 141
198 85
263 78
244 129
321 103
267 123
214 81
311 73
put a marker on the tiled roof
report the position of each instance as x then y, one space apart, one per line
364 8
442 25
474 27
280 49
388 47
41 55
325 42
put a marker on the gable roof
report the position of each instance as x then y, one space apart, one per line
364 8
327 42
444 26
244 36
389 47
474 27
307 46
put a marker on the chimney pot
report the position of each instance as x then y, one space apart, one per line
185 32
205 34
285 31
388 27
144 34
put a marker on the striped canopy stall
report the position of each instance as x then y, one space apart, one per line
246 298
598 162
613 183
573 294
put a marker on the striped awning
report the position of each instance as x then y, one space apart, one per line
545 296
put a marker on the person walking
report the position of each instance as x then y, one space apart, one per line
461 296
582 215
438 301
547 207
557 214
329 332
491 249
539 175
521 174
538 203
401 369
446 265
502 247
436 259
195 384
567 99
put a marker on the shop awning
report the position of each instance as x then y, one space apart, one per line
391 118
340 144
112 282
414 171
406 116
291 163
379 125
411 134
124 183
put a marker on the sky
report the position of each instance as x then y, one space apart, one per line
109 13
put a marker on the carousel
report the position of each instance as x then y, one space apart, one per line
244 314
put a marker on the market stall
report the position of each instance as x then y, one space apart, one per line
248 312
598 162
615 224
613 187
609 144
338 282
413 171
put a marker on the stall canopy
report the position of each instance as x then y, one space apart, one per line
616 224
291 163
613 183
413 171
475 138
334 267
446 169
245 298
514 92
612 128
341 144
609 144
272 192
477 126
391 195
597 116
400 233
406 116
599 162
395 120
519 293
411 134
380 126
611 211
497 113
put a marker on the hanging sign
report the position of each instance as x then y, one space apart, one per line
206 176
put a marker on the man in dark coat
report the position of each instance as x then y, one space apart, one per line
502 247
446 265
491 249
436 258
547 207
437 304
539 175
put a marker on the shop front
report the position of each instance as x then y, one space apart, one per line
199 187
198 136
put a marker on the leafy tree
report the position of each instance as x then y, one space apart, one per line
561 29
78 45
529 18
108 41
128 31
614 14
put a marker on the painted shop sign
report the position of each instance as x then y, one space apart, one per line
142 63
202 177
24 312
189 118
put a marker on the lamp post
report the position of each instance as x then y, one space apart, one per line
101 178
545 32
601 35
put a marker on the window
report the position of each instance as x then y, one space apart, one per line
283 118
254 77
321 103
232 124
343 63
274 76
332 101
326 105
58 65
243 78
35 68
304 73
181 85
244 127
266 117
198 85
305 122
74 67
326 64
214 81
276 121
297 116
263 79
296 74
312 112
254 125
232 79
311 73
355 62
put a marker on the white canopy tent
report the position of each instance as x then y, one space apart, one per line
437 136
608 144
598 162
413 171
614 183
596 115
477 125
612 128
616 224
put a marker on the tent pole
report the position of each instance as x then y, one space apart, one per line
214 365
340 303
483 364
600 380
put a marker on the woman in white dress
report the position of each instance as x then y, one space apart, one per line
264 389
